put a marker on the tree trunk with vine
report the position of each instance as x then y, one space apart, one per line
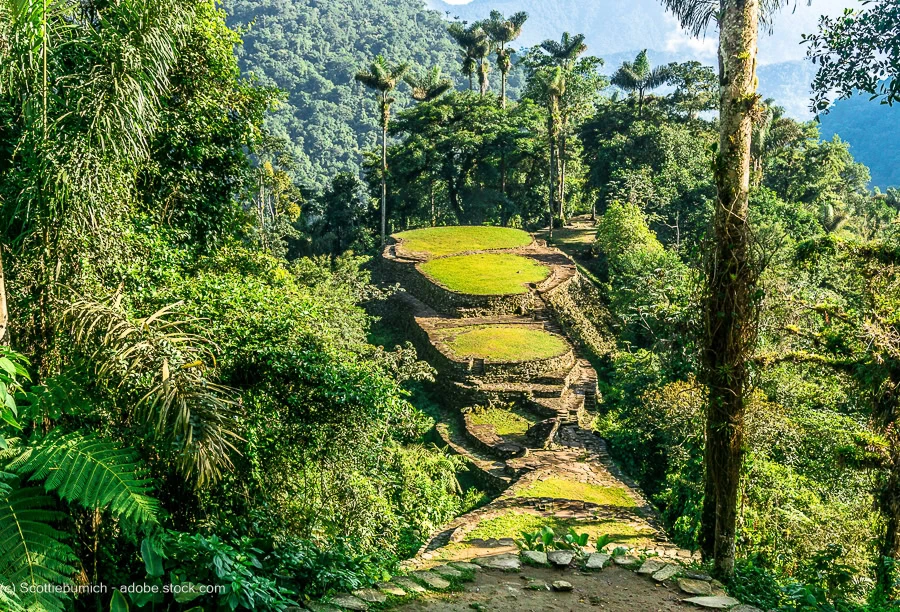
730 314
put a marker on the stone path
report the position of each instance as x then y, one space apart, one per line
558 474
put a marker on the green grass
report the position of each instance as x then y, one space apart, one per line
513 523
486 273
505 422
505 343
440 241
559 488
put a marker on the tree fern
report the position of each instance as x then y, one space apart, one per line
31 550
93 472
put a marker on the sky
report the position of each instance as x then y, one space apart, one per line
784 45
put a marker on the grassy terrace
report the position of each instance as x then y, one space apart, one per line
441 241
486 273
506 343
569 489
505 422
512 524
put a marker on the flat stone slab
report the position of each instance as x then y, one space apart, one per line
349 602
626 560
534 557
432 581
445 571
667 573
320 607
390 589
464 566
370 595
596 561
694 587
745 608
698 576
651 566
714 603
562 586
561 558
506 563
411 586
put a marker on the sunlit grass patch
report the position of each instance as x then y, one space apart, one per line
506 343
440 241
513 523
486 273
559 488
505 422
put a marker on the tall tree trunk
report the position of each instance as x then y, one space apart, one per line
562 175
552 173
384 183
729 302
503 76
431 197
4 308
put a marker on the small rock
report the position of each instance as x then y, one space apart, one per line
320 607
537 585
651 566
626 560
464 566
669 571
410 586
560 558
534 557
506 563
562 586
714 603
694 587
390 589
596 561
371 595
698 576
745 608
445 571
432 581
349 602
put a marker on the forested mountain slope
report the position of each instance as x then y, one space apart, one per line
873 131
312 50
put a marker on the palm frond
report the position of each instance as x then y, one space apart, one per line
32 551
697 16
95 473
165 367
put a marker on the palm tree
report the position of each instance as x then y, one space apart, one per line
383 78
430 86
553 82
503 31
564 54
638 77
729 296
476 47
567 50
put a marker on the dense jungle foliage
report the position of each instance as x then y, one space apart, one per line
195 387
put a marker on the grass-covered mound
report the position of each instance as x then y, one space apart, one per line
513 523
505 422
507 343
440 241
486 273
559 488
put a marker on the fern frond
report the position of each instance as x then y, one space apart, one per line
93 472
32 551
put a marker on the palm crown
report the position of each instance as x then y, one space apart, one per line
430 86
638 76
567 50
